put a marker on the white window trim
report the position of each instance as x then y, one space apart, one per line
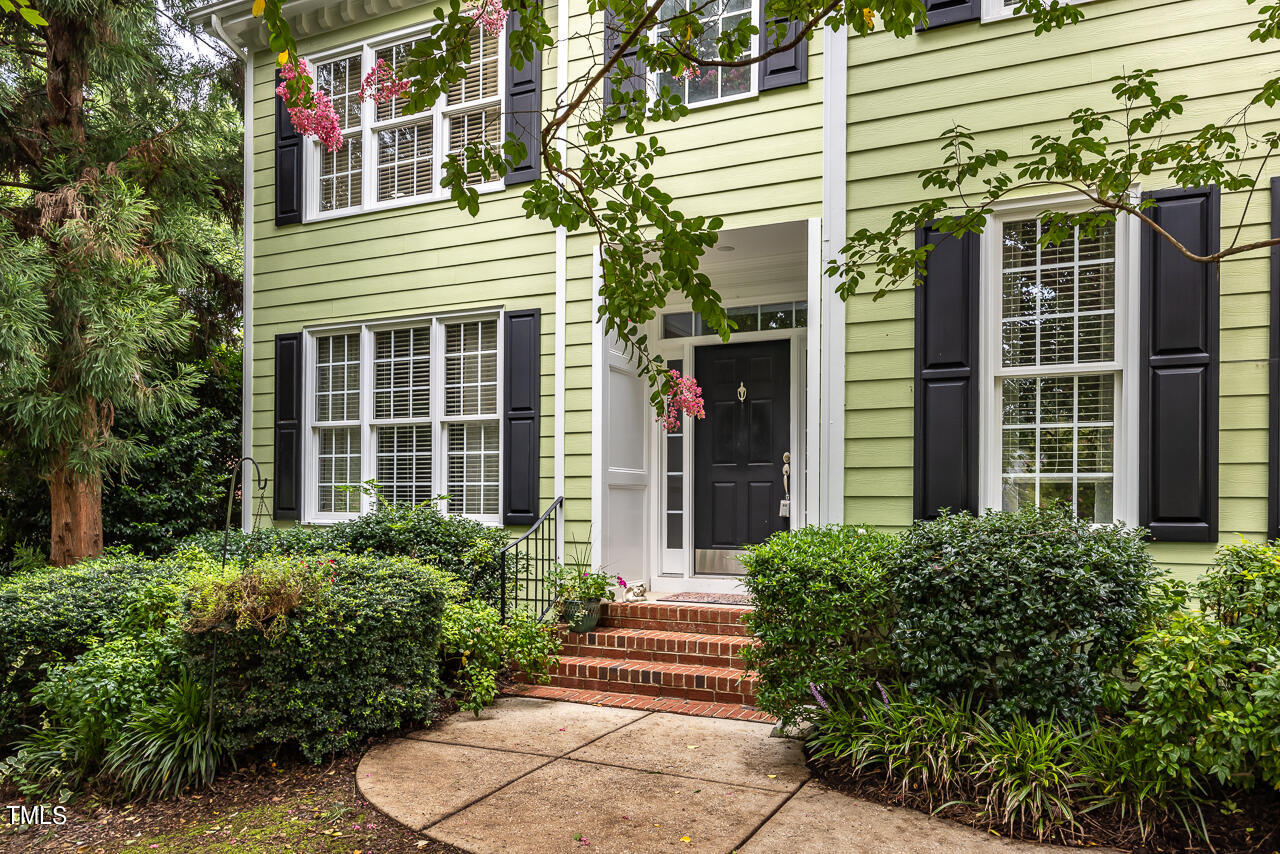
438 420
652 78
1125 365
439 112
995 10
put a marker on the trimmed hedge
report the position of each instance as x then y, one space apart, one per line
1031 611
53 615
821 598
355 655
454 544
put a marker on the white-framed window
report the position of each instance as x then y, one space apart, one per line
998 10
411 405
390 157
712 85
1059 393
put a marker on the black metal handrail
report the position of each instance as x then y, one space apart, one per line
527 567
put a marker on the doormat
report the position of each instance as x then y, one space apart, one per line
710 598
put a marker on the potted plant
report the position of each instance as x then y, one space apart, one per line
582 591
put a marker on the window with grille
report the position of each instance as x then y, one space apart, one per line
708 85
341 172
389 155
1059 374
412 408
337 418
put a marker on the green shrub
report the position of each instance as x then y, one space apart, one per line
822 613
358 658
84 705
1242 590
454 544
477 647
1207 706
1030 610
54 614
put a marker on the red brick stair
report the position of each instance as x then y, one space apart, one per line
660 657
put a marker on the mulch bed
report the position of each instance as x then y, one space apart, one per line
1254 828
297 807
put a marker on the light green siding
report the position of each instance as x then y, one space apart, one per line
754 161
1006 85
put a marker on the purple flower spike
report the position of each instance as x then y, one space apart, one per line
813 689
884 695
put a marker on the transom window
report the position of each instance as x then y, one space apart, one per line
411 407
708 85
390 156
1058 378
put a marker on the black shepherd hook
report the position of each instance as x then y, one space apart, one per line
260 483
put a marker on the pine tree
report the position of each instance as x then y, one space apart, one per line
117 152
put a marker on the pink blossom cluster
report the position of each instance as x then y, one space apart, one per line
689 72
320 121
685 398
381 83
491 16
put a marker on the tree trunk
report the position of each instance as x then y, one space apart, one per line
75 505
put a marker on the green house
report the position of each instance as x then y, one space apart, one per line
393 338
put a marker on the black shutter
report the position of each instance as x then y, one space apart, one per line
288 166
612 39
946 392
1273 442
944 12
523 110
788 68
522 404
287 493
1178 416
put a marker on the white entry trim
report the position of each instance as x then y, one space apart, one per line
597 411
831 346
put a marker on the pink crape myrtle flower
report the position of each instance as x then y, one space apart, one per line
685 398
689 72
382 84
491 16
320 121
622 582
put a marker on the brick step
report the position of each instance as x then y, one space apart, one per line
700 619
734 711
659 646
655 679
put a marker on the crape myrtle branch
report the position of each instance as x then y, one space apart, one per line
1091 161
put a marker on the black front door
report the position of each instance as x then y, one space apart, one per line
738 447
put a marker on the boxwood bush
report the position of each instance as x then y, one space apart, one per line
822 614
320 652
461 546
1031 611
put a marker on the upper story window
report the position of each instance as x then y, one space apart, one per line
711 85
412 406
1057 329
390 156
995 10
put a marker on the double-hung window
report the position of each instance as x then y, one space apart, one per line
410 406
1057 341
389 155
710 85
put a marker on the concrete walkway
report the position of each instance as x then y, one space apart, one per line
541 776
